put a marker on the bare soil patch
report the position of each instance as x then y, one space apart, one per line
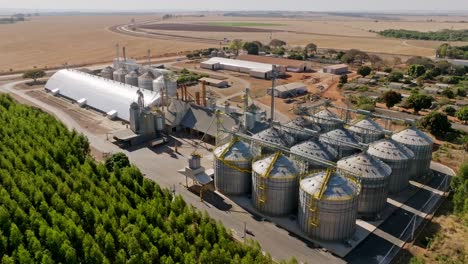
203 27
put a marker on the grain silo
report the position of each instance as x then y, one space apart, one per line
338 140
421 145
374 176
132 78
398 157
119 75
232 167
166 84
273 135
312 148
108 73
275 185
328 203
327 120
296 128
367 131
145 81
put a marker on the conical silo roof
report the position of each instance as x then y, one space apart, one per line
302 122
326 116
313 148
147 76
121 71
389 149
413 136
276 136
107 69
366 126
237 151
276 166
338 136
364 166
132 74
338 186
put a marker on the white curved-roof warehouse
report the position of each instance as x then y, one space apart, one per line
108 96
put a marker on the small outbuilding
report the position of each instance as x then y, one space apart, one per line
215 82
336 69
288 90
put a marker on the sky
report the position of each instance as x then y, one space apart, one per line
200 5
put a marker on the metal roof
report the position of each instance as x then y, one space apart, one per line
199 118
338 186
337 136
108 69
302 122
102 94
327 117
256 66
276 136
313 148
413 136
388 149
365 166
272 60
283 167
290 87
239 151
367 126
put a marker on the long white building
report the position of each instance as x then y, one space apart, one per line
254 69
108 96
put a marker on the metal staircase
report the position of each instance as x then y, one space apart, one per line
315 199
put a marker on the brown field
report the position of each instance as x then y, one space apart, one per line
53 41
202 27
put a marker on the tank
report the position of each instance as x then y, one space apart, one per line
367 131
328 203
421 145
169 85
296 128
119 75
327 120
374 176
132 78
134 117
312 148
275 185
272 135
337 139
398 157
108 73
232 168
145 81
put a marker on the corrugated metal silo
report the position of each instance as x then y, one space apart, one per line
374 176
296 128
398 157
275 185
272 135
145 81
421 145
328 203
337 139
315 149
132 78
232 167
108 73
328 120
367 131
119 75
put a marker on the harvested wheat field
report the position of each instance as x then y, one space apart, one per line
53 41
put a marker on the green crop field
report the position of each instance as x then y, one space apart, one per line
245 24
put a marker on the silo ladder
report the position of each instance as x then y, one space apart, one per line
261 189
313 205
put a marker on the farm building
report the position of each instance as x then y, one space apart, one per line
107 96
432 90
288 64
381 74
215 82
254 69
336 69
288 90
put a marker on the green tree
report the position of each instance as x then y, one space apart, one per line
462 114
450 111
310 48
391 98
364 71
437 123
119 160
419 101
251 48
395 76
459 186
416 70
275 43
448 92
353 55
343 79
34 74
236 45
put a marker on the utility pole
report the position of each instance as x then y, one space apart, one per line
273 79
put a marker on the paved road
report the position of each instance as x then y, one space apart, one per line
278 242
397 114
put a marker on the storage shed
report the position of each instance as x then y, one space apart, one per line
288 90
336 69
